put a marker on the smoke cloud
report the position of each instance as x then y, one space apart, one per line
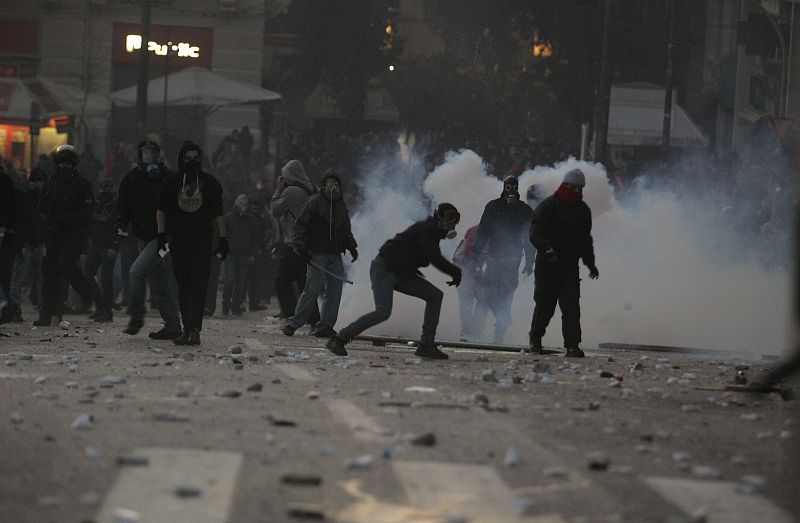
674 270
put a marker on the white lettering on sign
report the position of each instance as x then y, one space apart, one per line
181 49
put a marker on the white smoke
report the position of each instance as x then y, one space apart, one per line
662 278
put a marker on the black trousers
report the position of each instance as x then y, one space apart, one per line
557 283
213 285
7 254
97 259
290 281
191 262
61 268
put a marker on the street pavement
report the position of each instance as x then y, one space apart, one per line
254 426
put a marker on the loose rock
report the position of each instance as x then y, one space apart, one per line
597 460
83 422
424 440
228 393
255 387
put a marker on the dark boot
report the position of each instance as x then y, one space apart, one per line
164 334
103 316
134 326
336 346
430 351
573 351
193 338
183 339
535 346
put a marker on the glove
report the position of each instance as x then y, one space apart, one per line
456 281
593 272
162 242
550 255
354 254
122 233
222 249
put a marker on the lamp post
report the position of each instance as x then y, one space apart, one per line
170 52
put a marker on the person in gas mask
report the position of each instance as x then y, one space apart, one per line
189 205
136 206
471 291
322 234
66 206
243 238
561 231
396 268
502 239
293 188
102 253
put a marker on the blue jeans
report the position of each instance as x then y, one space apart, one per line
235 282
384 283
318 283
150 268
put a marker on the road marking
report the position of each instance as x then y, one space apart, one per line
719 498
475 492
148 490
364 428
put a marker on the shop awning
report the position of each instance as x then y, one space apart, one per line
636 118
196 86
54 99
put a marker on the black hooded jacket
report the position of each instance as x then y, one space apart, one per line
502 232
565 227
103 234
67 205
415 247
136 203
324 225
193 223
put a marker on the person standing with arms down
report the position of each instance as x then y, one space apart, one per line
136 205
243 234
189 205
561 232
66 207
322 234
396 268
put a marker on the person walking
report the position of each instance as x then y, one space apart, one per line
244 237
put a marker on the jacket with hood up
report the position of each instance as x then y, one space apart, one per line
199 222
566 228
415 247
288 204
323 226
136 202
502 233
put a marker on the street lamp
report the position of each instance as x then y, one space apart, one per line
172 50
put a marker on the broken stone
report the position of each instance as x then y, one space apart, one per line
169 417
605 374
416 388
489 376
132 460
750 417
597 460
112 380
306 511
312 395
255 387
479 398
704 472
40 380
593 405
301 480
511 458
17 418
280 422
555 472
22 356
236 349
83 422
92 453
228 393
187 491
124 515
424 440
614 383
482 359
361 462
690 408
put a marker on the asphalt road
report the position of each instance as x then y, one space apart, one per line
254 426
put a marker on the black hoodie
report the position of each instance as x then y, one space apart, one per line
417 247
136 203
503 231
191 220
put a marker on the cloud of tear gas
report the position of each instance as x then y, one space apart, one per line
674 270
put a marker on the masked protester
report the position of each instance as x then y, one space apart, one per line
136 206
66 207
7 226
244 238
561 231
501 239
293 189
102 253
470 292
322 234
262 267
396 268
189 205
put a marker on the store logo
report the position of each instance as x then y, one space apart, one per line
183 50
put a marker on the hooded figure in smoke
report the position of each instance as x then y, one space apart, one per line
136 206
396 268
292 190
322 233
561 232
66 207
244 235
501 239
189 205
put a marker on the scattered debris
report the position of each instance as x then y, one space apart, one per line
228 393
306 511
255 387
424 440
16 418
312 395
598 460
704 472
301 480
420 389
187 491
170 417
83 422
132 460
511 458
361 462
280 422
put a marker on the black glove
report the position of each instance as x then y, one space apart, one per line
593 272
222 248
162 241
304 254
354 254
456 281
550 255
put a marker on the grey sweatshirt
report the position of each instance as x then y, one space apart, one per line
288 204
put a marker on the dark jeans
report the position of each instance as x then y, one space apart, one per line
261 281
7 254
557 283
60 268
191 262
501 281
236 270
290 281
214 264
384 283
97 259
127 255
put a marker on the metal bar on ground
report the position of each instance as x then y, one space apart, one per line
383 340
674 350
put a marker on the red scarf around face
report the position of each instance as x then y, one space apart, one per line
567 195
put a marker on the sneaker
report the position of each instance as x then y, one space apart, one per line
288 330
430 351
324 332
193 338
183 339
573 351
103 316
165 334
134 326
534 347
336 346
